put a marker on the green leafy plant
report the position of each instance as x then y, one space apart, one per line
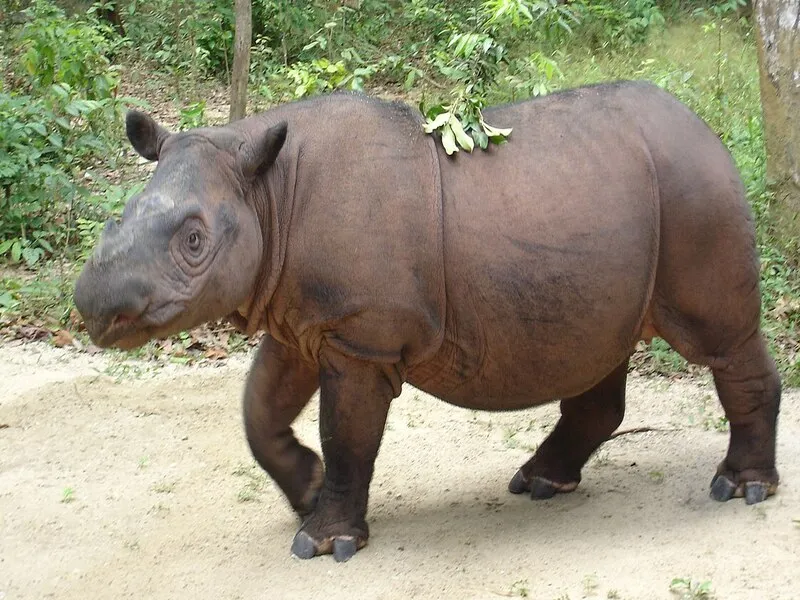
322 75
549 18
687 589
193 115
52 133
618 23
285 25
183 37
71 51
535 75
471 60
47 145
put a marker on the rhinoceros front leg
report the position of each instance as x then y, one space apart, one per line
586 422
354 403
280 384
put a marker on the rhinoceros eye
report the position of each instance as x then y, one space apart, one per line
193 241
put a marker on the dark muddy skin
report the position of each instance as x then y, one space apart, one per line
498 280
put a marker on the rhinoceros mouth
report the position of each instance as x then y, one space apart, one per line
122 332
126 332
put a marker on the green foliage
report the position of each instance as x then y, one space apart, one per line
193 115
45 144
74 52
322 75
51 135
470 61
283 27
531 76
549 19
618 23
194 38
687 589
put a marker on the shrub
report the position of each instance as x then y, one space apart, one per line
53 130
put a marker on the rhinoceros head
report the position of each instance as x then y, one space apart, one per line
188 248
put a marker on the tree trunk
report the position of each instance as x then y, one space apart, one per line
778 25
241 59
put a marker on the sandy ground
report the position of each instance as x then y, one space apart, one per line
116 482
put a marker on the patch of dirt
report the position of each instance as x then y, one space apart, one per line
120 482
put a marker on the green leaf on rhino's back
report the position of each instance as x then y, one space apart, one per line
449 140
461 136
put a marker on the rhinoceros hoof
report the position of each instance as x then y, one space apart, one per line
343 547
539 487
723 489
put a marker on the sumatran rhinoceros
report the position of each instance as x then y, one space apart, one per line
496 280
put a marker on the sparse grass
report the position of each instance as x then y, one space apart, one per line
68 495
413 420
159 510
164 487
243 470
656 477
718 424
613 595
686 588
601 458
590 585
255 482
249 492
144 462
509 438
121 367
520 589
709 415
42 296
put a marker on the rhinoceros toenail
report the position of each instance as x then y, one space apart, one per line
344 548
755 492
722 488
518 483
303 546
541 489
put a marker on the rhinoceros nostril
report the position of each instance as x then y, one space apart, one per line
121 320
128 315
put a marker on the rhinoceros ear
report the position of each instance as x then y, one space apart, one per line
259 157
145 134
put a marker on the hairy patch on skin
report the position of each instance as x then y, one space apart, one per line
153 206
122 244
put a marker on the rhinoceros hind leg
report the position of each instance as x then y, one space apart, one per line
749 389
586 422
280 384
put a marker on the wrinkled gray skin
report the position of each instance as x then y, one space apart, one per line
498 280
